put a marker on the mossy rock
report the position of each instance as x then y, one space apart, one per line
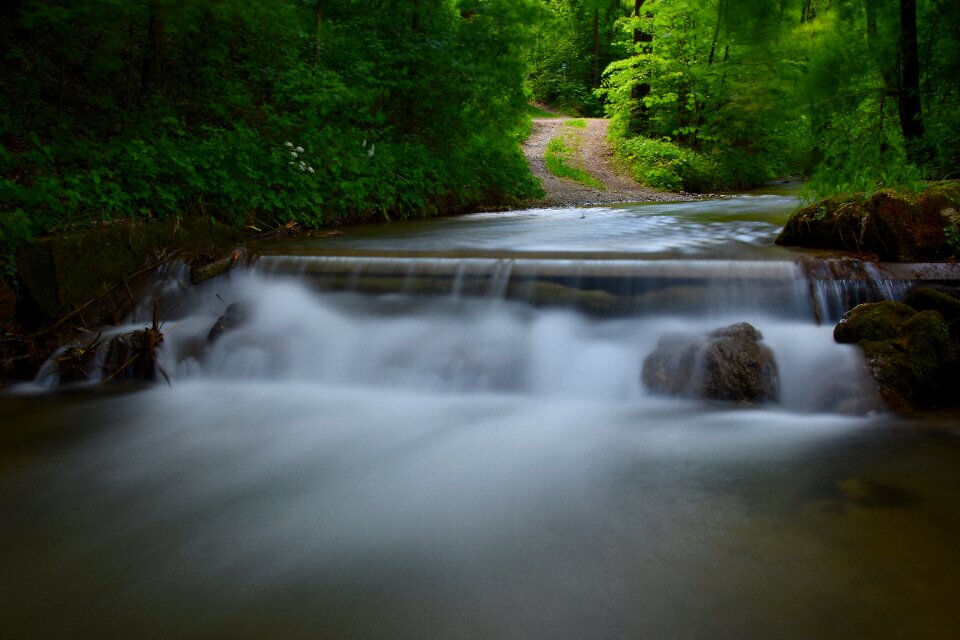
894 225
873 321
909 352
944 302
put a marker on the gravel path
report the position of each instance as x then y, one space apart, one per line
594 155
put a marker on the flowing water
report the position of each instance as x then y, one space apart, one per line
437 430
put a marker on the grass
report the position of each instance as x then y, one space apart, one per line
557 157
536 112
577 123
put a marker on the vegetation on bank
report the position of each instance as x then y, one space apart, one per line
257 113
328 111
856 95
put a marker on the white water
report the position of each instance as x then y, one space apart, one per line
396 466
467 345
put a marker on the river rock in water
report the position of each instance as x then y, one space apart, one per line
237 313
727 364
909 352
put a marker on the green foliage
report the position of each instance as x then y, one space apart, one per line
559 153
952 229
576 123
537 112
564 58
663 164
698 84
771 87
255 113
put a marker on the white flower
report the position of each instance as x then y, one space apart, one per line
310 169
371 150
290 163
364 142
299 149
288 144
303 166
293 154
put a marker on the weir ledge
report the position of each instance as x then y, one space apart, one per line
620 283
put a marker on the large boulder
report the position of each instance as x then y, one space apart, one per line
895 226
728 364
909 352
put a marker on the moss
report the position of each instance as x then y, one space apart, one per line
894 225
929 299
872 322
909 352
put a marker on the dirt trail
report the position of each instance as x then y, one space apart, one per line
593 154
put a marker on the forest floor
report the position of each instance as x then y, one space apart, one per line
591 152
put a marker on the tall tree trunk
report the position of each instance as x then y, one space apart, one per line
911 113
596 47
640 115
416 15
153 50
716 33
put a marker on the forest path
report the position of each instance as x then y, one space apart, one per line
593 153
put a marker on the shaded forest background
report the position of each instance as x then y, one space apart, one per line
322 111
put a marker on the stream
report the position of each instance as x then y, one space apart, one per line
437 429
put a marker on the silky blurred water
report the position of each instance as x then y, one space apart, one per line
743 227
399 466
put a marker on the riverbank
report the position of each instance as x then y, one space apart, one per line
77 282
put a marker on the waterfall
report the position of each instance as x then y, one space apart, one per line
548 327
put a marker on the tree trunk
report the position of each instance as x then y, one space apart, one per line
911 113
153 50
640 115
416 15
596 47
716 33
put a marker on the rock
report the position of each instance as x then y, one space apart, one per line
896 226
943 301
872 322
237 314
729 364
908 351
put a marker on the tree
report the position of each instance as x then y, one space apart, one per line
149 108
911 111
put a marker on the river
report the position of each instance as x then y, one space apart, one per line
429 430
